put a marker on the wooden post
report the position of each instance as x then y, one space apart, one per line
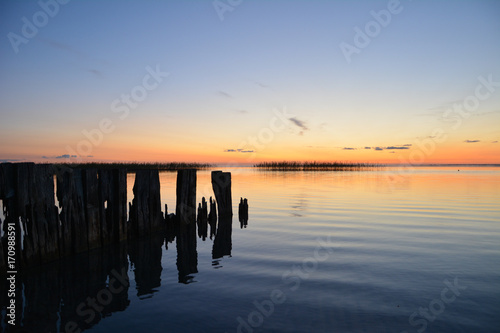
113 205
7 194
92 207
202 219
221 184
73 232
243 212
145 212
212 218
187 257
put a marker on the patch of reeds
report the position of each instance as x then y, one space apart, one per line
314 166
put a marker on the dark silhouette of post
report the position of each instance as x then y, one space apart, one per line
202 219
187 257
145 211
243 213
221 184
212 218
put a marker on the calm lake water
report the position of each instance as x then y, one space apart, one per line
370 251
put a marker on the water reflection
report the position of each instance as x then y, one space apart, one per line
76 293
71 294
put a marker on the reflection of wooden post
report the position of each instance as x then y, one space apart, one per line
221 184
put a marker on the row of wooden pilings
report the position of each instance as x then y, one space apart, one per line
92 209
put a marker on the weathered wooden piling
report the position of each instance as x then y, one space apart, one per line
7 197
221 184
187 257
73 231
113 205
145 211
243 212
212 218
92 207
202 219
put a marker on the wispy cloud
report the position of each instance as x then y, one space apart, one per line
95 72
260 84
223 94
299 123
238 151
397 147
241 111
472 141
10 160
368 148
378 148
348 148
494 141
63 156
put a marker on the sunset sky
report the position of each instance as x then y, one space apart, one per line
243 81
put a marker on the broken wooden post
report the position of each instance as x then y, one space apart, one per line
243 212
187 257
113 205
7 194
221 184
92 207
145 212
73 232
202 219
212 218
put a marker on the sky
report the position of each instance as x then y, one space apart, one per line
240 81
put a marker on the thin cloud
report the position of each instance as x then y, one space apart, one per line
223 94
260 84
241 111
472 141
367 148
494 141
95 72
299 123
397 147
65 156
378 148
10 160
348 148
238 151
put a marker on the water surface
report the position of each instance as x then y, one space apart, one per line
369 251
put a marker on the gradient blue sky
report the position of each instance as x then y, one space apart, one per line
228 78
